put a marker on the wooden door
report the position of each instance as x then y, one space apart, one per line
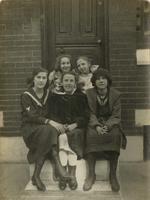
75 27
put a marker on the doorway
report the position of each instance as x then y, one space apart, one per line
75 27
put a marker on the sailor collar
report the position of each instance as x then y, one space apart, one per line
29 93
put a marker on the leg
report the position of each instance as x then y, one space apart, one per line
63 183
36 175
63 159
91 172
61 171
72 158
113 167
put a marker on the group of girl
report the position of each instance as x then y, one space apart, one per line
69 114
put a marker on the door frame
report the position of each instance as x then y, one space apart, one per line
48 34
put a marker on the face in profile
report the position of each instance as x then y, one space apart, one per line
83 66
65 64
93 68
101 83
69 83
40 80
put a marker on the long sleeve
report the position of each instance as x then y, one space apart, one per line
115 117
84 112
31 112
91 95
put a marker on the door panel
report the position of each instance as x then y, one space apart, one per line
76 27
92 52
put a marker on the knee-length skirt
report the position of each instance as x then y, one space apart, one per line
107 142
40 142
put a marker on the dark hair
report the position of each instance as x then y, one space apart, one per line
34 73
58 60
101 72
71 73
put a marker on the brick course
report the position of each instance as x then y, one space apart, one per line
131 80
20 52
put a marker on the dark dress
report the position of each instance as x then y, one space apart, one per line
108 114
68 109
38 135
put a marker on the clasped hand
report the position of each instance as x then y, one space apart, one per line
101 130
70 127
63 128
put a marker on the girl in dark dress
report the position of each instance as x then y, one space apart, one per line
104 135
69 114
39 136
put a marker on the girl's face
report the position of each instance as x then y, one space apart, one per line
101 83
83 66
40 80
93 68
65 64
69 83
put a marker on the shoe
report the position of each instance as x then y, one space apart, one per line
89 183
63 174
73 181
62 184
112 177
38 183
73 184
114 183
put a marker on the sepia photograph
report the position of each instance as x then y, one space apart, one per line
74 99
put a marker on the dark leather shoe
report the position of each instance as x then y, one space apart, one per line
62 184
73 184
114 183
38 183
89 183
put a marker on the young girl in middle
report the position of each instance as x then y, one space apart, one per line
63 64
69 114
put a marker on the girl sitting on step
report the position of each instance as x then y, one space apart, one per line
69 114
39 136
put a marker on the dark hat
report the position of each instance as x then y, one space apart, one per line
101 72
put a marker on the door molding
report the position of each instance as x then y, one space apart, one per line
48 35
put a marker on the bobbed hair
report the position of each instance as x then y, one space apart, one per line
58 60
101 72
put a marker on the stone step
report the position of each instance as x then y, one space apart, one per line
100 190
101 169
70 195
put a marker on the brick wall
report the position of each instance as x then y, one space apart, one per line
20 51
131 80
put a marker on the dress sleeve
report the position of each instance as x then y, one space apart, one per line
30 113
93 122
115 117
83 119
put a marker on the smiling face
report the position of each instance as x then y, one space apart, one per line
65 64
101 83
40 80
69 83
83 66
